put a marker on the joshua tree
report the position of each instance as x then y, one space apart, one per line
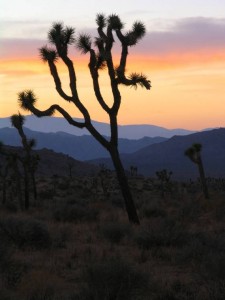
29 161
11 168
194 153
164 177
100 56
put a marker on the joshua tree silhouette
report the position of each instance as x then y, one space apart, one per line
194 153
30 161
11 170
100 57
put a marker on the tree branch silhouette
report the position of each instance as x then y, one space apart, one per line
100 57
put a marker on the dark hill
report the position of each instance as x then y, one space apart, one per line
170 155
52 163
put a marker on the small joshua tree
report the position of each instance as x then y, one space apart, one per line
164 177
11 169
194 153
29 161
100 57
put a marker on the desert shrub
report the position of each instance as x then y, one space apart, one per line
61 236
74 213
152 211
175 291
44 293
215 290
213 266
46 194
117 202
206 253
11 206
164 233
25 232
113 279
63 186
5 294
114 232
190 210
5 254
14 273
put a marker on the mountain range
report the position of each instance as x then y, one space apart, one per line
170 155
83 147
148 154
56 124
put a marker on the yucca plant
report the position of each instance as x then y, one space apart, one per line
60 37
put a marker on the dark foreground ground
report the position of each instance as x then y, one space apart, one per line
75 242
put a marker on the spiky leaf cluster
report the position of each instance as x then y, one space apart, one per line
48 54
114 22
193 152
137 32
26 98
101 20
17 120
61 37
140 79
139 29
84 43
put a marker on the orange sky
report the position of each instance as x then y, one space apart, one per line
187 92
187 71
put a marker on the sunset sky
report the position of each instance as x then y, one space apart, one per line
182 53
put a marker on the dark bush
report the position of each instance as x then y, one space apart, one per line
75 213
5 253
25 232
164 233
114 279
46 194
114 232
152 211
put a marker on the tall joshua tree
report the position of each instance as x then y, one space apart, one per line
194 153
100 56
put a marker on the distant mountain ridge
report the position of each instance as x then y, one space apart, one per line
170 155
56 124
79 147
52 163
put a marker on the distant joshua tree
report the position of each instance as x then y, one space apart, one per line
29 161
100 57
194 153
164 177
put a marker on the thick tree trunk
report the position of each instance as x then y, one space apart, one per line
123 182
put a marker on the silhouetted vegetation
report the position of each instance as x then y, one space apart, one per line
100 52
71 245
194 153
18 170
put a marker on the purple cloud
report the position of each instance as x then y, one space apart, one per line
185 36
